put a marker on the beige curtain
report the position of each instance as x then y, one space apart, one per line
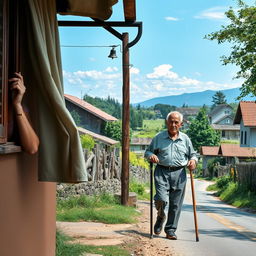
60 153
101 9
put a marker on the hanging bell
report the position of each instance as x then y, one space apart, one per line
112 53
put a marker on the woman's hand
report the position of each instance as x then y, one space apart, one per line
18 88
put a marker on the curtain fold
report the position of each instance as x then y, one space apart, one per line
60 154
100 9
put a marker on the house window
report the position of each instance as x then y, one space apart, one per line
222 134
242 137
226 111
227 121
245 137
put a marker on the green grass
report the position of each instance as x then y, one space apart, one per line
103 208
234 194
141 189
150 128
64 247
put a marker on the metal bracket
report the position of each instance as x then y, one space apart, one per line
108 25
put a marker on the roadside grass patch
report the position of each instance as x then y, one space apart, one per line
141 189
66 247
101 208
233 193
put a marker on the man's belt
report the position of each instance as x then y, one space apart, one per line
171 168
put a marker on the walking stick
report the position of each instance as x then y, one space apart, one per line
194 204
151 200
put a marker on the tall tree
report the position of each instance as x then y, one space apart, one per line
241 33
219 98
201 133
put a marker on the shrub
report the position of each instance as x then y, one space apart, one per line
138 161
87 141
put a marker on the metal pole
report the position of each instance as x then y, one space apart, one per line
151 200
125 121
194 204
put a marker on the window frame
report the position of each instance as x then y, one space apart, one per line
10 64
4 75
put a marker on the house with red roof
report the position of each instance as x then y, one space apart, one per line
91 117
232 153
246 117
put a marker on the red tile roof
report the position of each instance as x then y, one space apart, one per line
209 150
90 108
228 150
96 136
246 111
236 150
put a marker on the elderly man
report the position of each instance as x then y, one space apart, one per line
172 150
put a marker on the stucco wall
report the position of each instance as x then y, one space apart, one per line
27 215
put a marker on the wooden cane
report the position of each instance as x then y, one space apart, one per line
151 200
194 205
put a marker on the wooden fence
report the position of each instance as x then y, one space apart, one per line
246 175
102 163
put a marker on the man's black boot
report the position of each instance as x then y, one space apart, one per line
159 225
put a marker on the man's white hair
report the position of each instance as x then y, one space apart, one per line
176 113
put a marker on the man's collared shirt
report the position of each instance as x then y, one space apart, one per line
171 152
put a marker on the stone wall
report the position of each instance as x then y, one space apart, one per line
111 186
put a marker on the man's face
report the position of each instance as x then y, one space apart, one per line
173 124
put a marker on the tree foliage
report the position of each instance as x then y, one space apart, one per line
76 117
219 98
87 141
164 109
201 133
113 130
241 33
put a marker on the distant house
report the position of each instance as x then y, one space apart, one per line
221 120
139 145
221 114
230 152
188 115
227 132
91 118
207 153
246 117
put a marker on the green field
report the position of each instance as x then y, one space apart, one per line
150 128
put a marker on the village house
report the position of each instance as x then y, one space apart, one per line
91 117
139 145
231 154
188 115
221 120
246 118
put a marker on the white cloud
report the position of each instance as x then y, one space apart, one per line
111 69
162 81
171 18
134 71
214 13
163 71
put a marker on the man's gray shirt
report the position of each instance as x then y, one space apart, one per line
171 152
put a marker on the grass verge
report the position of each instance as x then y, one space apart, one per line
233 193
141 189
66 247
101 208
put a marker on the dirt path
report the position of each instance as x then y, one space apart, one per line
134 237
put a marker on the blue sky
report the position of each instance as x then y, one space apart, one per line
171 58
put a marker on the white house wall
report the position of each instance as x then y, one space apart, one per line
217 116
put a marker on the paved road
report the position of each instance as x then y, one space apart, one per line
223 230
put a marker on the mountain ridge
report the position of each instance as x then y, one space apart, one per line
194 98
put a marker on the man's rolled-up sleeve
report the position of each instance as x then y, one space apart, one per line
192 152
150 150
